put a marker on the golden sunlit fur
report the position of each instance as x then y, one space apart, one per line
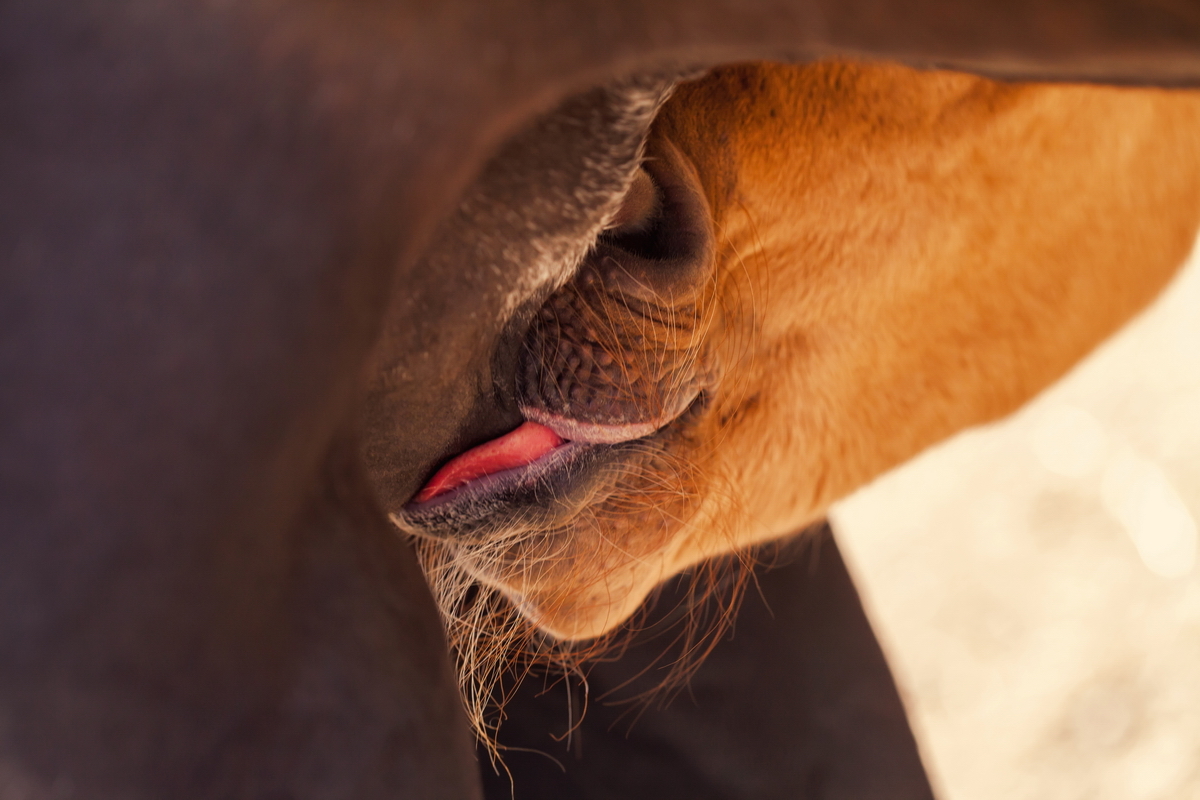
899 255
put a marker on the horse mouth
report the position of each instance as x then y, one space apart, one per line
533 474
526 464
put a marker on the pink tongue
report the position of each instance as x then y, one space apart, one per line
517 448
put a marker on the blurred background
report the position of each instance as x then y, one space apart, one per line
1035 583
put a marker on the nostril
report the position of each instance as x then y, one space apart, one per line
662 249
640 208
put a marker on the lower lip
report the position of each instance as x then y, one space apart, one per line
501 480
517 449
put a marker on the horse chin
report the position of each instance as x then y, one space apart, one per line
574 583
584 613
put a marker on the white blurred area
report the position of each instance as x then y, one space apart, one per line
1035 582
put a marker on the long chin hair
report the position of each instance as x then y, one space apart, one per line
496 648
